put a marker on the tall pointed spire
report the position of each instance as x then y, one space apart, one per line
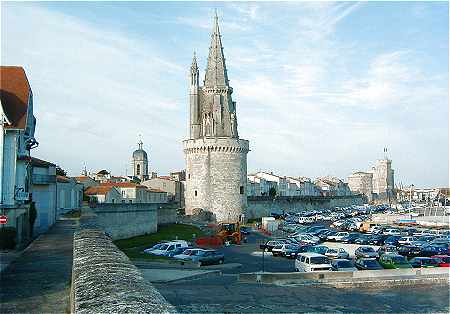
216 71
194 62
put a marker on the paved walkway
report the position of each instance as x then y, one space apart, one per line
39 280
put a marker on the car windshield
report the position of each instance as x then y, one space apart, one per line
319 260
332 251
292 247
163 247
399 260
344 264
367 249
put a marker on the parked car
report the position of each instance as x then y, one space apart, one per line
319 249
350 238
325 234
285 249
368 264
406 240
363 239
310 262
386 249
306 238
343 265
338 236
208 257
337 253
423 262
435 249
442 260
377 239
409 250
422 241
269 245
394 261
296 249
188 254
167 247
155 247
177 251
365 251
392 240
392 232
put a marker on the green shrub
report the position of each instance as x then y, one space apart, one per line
7 238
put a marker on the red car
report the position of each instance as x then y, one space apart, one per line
443 260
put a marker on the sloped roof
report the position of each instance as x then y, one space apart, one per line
98 190
156 190
41 163
62 179
14 95
82 178
123 185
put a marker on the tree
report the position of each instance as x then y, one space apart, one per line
272 192
60 171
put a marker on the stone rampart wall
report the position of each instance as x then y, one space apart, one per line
167 214
260 206
125 220
105 281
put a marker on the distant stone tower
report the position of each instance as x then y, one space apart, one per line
139 163
216 159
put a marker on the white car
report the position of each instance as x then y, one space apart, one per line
310 262
168 247
188 254
338 236
306 238
337 253
391 232
406 240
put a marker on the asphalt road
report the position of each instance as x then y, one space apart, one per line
223 294
251 257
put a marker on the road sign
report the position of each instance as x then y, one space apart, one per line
3 220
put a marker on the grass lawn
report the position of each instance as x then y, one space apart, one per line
133 247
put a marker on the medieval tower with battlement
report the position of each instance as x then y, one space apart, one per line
216 158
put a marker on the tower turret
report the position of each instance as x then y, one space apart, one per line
194 124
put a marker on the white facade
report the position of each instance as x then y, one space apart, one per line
43 191
17 127
69 194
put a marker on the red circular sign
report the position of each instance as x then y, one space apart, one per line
3 220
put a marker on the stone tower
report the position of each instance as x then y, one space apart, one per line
139 163
216 159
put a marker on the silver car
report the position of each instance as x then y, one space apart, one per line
337 253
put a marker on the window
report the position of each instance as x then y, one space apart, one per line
189 176
113 201
131 201
138 170
241 189
195 192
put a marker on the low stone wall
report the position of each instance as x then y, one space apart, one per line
260 206
122 221
105 281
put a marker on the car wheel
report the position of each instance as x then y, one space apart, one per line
296 270
220 261
199 264
266 250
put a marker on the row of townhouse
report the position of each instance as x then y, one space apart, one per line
29 186
260 183
124 192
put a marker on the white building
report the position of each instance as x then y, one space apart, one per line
332 186
43 194
69 194
135 193
17 126
362 182
103 194
168 184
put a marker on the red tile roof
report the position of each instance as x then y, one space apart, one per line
81 178
41 163
14 95
62 179
123 185
97 190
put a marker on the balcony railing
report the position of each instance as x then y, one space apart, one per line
43 179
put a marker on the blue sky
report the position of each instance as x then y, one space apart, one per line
321 88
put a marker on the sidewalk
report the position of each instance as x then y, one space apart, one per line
39 280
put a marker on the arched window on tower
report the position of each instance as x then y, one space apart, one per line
138 170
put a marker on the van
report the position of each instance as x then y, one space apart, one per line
168 247
311 262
